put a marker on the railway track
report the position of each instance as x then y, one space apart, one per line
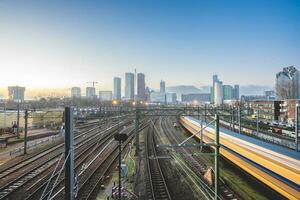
33 167
196 164
156 184
102 163
16 165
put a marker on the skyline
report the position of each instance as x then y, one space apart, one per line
67 44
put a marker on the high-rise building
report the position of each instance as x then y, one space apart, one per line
117 88
76 92
129 86
287 84
16 93
215 79
236 92
228 92
162 86
105 95
218 93
90 92
141 87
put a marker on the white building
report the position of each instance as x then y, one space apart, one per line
117 88
76 92
129 86
218 93
105 95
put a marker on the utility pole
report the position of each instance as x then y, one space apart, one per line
4 120
205 114
69 154
232 118
297 124
240 119
217 151
25 132
18 120
136 130
257 119
120 169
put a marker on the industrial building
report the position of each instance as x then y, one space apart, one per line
191 98
105 95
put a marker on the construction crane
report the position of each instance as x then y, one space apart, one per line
93 82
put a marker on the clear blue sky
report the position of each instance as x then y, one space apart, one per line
63 43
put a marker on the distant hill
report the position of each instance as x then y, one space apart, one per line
254 89
183 89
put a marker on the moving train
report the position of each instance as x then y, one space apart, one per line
275 166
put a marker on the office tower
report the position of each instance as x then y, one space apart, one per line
105 95
141 90
287 84
90 92
162 87
228 92
215 79
129 86
76 92
16 93
117 88
236 92
218 93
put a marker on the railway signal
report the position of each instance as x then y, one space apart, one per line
121 137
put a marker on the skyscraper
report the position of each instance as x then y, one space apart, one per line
228 92
162 86
141 88
236 92
76 92
16 93
287 84
218 93
117 88
215 79
90 92
129 86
